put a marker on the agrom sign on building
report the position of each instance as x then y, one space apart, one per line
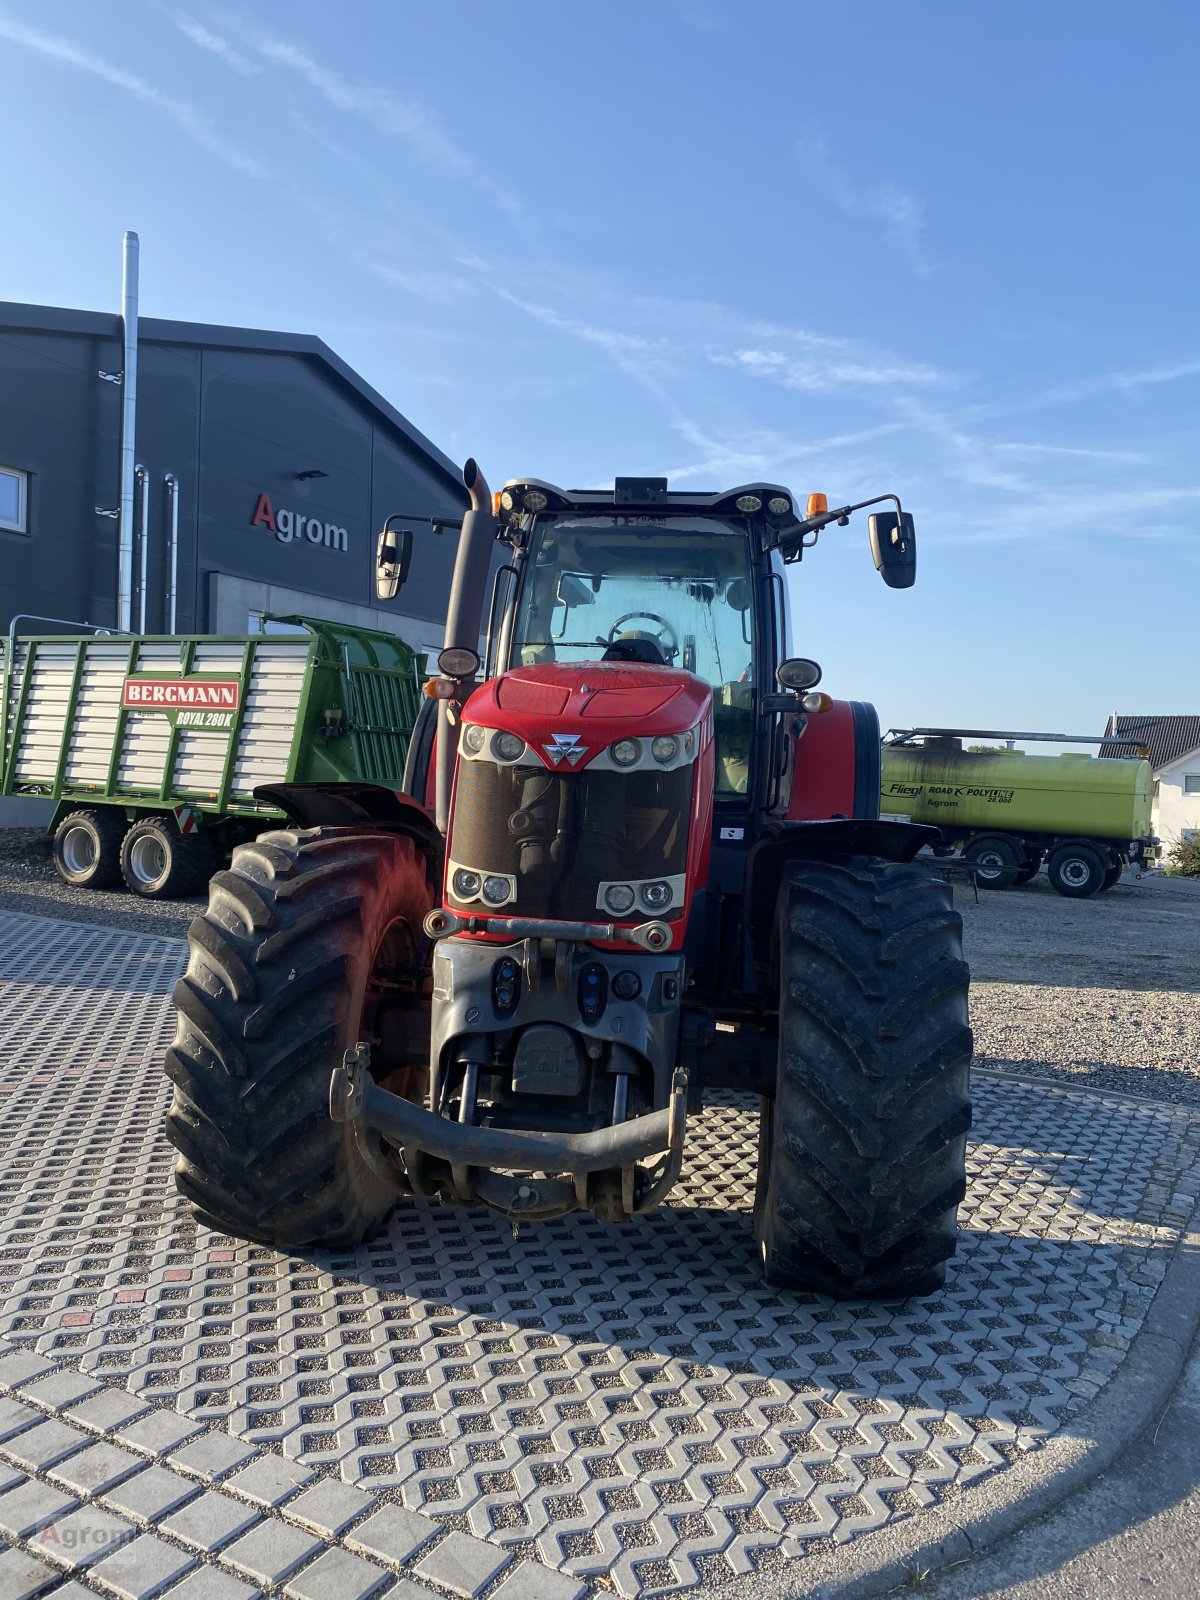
288 525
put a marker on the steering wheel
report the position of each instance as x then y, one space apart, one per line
667 640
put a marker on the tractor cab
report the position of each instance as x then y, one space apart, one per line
669 591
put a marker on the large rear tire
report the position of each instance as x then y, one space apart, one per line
87 847
863 1156
311 942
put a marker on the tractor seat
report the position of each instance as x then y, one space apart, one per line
640 647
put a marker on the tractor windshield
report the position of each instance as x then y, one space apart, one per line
673 591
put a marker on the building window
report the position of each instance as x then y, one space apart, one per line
1191 783
14 499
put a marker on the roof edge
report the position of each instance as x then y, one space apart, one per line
17 316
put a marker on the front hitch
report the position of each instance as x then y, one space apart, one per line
356 1098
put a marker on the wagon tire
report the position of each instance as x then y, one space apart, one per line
996 861
1029 869
284 968
862 1160
160 863
87 847
1076 870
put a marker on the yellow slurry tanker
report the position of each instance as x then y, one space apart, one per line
1007 811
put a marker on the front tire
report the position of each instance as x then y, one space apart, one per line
863 1155
311 942
87 847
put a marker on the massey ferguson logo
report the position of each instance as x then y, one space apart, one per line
565 744
288 525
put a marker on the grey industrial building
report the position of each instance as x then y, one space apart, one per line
268 461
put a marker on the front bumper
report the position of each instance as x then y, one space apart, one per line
496 1165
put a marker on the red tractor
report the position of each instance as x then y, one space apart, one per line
654 868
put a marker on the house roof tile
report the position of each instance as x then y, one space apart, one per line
1166 738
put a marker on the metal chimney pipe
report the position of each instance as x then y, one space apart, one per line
142 478
129 320
172 483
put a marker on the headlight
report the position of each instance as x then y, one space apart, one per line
656 896
465 884
748 502
619 897
473 737
495 890
665 748
689 743
626 752
507 747
779 505
535 500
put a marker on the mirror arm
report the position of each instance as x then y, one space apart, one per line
436 523
794 538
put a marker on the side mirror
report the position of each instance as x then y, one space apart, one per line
393 557
894 548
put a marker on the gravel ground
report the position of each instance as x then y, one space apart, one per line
28 882
1104 993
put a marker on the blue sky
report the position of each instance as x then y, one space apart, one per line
947 250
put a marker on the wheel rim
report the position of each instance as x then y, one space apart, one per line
990 863
147 859
79 850
1075 872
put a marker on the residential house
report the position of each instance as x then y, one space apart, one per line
1173 747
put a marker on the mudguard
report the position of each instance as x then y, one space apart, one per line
353 805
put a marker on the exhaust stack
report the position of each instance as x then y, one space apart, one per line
464 618
129 320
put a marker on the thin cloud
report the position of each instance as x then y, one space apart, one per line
193 124
899 210
213 42
383 109
819 376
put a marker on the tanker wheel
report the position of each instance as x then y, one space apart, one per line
160 863
996 862
311 942
87 847
1030 869
862 1160
1112 875
1076 870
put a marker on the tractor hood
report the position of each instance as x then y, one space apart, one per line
586 707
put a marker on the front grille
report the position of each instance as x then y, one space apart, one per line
561 835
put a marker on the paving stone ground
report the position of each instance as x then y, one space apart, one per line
449 1410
